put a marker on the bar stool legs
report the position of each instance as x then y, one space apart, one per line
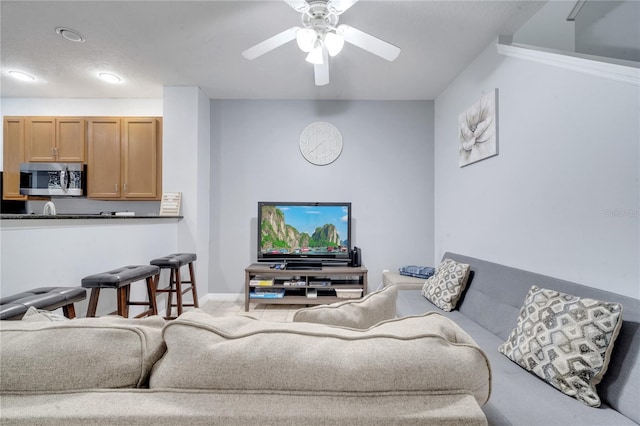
174 263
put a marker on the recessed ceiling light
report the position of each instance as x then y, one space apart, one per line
71 35
21 75
109 77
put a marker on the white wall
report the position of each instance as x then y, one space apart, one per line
57 252
385 171
186 169
562 198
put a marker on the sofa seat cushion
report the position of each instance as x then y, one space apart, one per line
517 396
86 353
361 313
426 353
152 407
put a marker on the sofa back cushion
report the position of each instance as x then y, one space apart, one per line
493 299
86 353
360 313
427 353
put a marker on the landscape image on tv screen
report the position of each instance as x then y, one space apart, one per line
313 230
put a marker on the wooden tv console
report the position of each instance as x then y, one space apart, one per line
298 285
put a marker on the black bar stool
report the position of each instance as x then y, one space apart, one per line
121 279
174 262
49 298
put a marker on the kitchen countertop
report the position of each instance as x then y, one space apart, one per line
81 216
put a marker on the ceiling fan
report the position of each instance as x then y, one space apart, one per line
320 36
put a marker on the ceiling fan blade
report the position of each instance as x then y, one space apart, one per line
339 6
271 43
369 43
298 5
321 71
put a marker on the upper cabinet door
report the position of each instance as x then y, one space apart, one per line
70 139
13 155
140 156
40 139
104 159
55 139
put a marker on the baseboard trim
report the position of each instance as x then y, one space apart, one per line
222 297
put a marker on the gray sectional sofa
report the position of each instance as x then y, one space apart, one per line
488 311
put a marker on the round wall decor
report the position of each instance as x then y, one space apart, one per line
321 143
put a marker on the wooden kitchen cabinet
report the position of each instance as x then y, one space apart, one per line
125 158
13 155
104 158
140 154
55 139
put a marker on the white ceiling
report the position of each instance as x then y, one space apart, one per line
152 44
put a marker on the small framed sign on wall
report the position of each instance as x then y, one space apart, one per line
170 204
478 130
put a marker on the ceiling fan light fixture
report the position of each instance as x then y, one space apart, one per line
306 38
315 56
334 43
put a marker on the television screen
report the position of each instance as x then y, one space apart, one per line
304 231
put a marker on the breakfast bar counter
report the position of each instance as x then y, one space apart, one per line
81 216
59 250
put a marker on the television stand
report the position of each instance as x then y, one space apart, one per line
302 266
303 286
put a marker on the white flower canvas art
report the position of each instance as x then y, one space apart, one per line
478 130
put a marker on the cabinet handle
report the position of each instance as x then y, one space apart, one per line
116 188
125 188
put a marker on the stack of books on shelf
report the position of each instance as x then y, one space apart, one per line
261 282
267 293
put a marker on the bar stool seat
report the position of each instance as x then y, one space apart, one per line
48 298
121 279
174 262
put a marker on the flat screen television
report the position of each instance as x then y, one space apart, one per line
302 232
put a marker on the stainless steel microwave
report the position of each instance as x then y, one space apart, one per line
53 179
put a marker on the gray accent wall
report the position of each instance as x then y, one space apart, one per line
610 29
385 171
562 198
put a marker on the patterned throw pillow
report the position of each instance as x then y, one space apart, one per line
565 340
445 287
